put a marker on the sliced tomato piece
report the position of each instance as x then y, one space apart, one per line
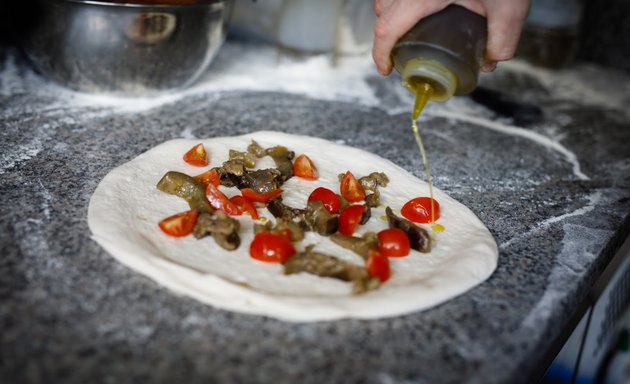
303 167
418 210
330 199
350 218
219 201
245 206
271 248
180 224
351 189
209 177
196 156
393 242
377 265
266 197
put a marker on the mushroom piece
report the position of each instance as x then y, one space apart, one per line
222 227
248 159
370 183
255 149
224 177
365 217
234 167
297 234
261 180
359 245
283 159
319 219
374 180
280 210
314 218
373 199
186 187
418 237
234 174
328 266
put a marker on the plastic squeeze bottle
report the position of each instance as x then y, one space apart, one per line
438 58
441 55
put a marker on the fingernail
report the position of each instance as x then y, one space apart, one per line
489 66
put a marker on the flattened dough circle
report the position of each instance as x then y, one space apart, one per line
126 207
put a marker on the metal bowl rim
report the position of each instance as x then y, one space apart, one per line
137 5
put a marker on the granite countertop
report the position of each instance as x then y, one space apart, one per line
556 196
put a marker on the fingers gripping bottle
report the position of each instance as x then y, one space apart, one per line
441 55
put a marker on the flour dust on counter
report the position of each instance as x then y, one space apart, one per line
126 208
238 67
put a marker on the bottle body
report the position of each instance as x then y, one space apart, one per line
445 49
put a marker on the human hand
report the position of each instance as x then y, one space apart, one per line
396 17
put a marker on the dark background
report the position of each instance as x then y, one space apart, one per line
604 34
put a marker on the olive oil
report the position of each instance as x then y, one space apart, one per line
424 91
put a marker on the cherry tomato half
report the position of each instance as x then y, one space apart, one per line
245 205
418 210
330 199
393 242
180 224
219 201
351 189
349 219
303 167
266 197
196 156
209 177
377 265
271 248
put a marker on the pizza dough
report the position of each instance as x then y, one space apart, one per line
126 208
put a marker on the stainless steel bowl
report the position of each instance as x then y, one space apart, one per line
131 48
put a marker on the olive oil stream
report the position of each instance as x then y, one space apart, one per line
424 91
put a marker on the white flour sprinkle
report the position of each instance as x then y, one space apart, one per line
537 138
593 201
583 82
571 264
19 153
237 68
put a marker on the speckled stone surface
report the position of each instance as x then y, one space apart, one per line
70 313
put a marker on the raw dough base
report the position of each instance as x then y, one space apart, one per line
126 207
